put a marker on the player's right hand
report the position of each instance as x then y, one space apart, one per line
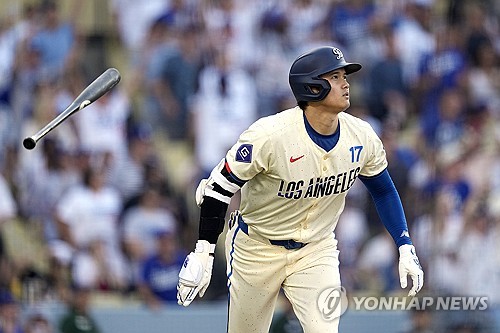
196 273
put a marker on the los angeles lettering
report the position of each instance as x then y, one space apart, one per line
318 186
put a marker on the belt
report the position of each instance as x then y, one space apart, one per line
288 244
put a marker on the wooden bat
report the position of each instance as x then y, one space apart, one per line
104 83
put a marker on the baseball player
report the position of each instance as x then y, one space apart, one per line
294 170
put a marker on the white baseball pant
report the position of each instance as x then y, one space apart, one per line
258 270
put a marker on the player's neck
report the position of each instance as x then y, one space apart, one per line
322 122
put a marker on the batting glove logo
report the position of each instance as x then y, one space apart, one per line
332 303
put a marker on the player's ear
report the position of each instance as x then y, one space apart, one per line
314 89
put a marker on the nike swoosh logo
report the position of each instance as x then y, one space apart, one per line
295 159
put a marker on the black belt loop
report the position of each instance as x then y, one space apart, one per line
288 244
242 224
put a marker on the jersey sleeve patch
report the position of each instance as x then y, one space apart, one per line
244 153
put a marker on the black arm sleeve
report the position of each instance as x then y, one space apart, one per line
212 218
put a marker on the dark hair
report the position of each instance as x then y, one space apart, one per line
89 173
303 105
46 5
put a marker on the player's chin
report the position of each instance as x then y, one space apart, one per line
346 103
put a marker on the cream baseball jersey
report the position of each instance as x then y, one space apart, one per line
293 189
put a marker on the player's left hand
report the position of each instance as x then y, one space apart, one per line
410 265
196 273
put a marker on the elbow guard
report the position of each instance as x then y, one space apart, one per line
221 185
213 195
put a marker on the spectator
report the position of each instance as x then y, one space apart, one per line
352 24
140 224
479 236
8 205
38 322
89 210
8 211
387 92
305 16
56 38
93 268
402 158
479 26
441 232
159 272
376 264
447 126
414 36
10 313
25 88
226 101
127 172
352 232
58 277
77 317
102 128
172 79
421 321
483 78
42 186
230 24
273 45
440 71
181 13
13 36
133 20
159 45
88 221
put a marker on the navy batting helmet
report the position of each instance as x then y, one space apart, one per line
306 70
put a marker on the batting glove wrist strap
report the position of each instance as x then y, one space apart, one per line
196 273
410 265
203 246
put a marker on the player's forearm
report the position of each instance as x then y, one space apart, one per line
148 297
212 216
389 206
213 195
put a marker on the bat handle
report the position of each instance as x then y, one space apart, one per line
29 143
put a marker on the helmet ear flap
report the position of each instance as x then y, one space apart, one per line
310 89
314 89
317 90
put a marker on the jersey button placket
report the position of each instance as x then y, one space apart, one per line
324 167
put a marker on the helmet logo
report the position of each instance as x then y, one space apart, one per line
338 53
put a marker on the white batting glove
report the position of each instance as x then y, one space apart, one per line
195 273
409 264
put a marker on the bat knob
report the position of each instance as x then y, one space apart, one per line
29 143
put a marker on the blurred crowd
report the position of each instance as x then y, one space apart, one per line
108 196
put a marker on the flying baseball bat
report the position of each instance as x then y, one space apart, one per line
104 83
